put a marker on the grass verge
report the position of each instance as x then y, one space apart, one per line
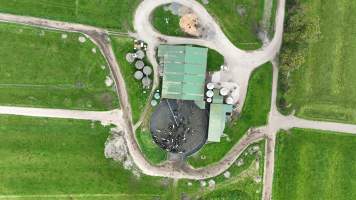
45 68
60 157
313 164
149 148
137 95
239 19
215 60
254 114
111 14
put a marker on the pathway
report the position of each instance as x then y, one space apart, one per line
105 117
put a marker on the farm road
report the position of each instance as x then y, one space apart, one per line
105 117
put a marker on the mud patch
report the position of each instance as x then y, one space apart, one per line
116 149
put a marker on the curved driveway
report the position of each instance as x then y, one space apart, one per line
241 63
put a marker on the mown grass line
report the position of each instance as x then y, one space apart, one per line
40 68
112 14
312 164
323 88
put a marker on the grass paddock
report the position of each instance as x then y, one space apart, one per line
40 68
323 88
313 164
60 157
111 14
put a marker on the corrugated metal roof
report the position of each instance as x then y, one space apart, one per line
184 71
217 120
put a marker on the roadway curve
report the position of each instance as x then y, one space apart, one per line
241 63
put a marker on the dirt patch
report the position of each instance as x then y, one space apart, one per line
107 99
189 23
116 149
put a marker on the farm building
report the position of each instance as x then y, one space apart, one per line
180 124
184 71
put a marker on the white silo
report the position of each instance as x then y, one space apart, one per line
139 64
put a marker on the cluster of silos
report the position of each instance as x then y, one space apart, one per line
142 72
223 91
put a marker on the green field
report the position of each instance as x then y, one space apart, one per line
137 95
166 23
38 68
60 157
254 114
149 148
242 28
241 184
64 159
313 164
112 14
323 87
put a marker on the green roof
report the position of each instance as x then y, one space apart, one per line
184 71
217 97
217 120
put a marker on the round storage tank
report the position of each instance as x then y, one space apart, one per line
210 86
157 96
139 64
146 81
140 54
154 103
138 75
179 126
130 58
209 93
229 100
224 91
147 70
